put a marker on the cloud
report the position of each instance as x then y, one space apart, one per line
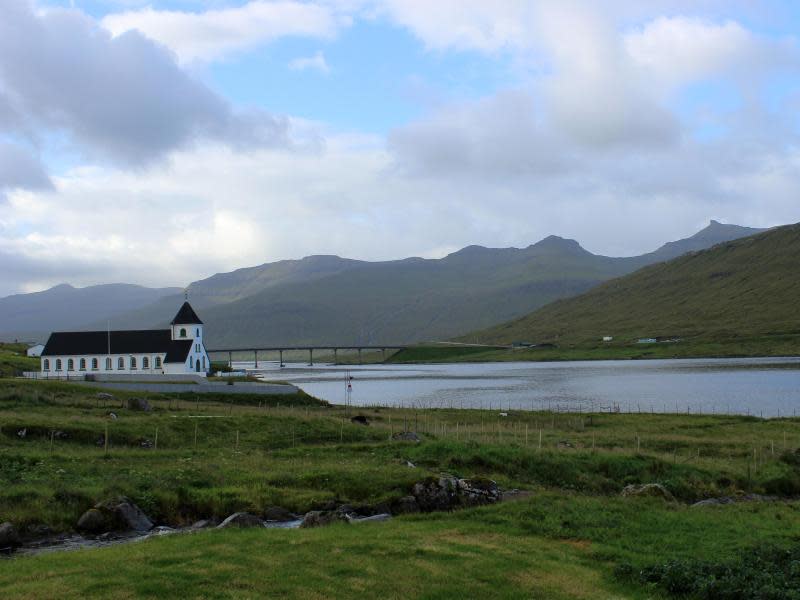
122 98
215 34
20 169
316 63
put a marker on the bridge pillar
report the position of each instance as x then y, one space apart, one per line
310 357
335 356
230 360
256 355
359 356
383 354
280 357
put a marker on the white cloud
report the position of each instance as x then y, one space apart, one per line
315 63
216 34
121 98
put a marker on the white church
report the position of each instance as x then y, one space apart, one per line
178 350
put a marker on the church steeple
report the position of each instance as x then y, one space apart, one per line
186 324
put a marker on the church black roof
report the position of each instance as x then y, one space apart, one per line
186 316
83 343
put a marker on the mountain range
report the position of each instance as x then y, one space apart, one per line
328 299
737 290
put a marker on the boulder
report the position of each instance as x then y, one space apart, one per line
447 493
104 396
405 505
118 514
9 538
278 514
139 404
320 518
94 521
406 436
359 420
652 490
132 516
204 524
241 519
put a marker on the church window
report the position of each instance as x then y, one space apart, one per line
82 364
108 364
46 364
58 364
204 363
145 363
183 333
121 363
70 364
95 364
198 332
133 363
158 362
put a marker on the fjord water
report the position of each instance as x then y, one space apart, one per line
761 386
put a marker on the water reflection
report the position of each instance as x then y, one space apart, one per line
768 387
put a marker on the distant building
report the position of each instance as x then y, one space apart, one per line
35 350
173 351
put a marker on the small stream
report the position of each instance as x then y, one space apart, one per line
75 541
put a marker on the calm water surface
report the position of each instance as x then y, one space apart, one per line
768 386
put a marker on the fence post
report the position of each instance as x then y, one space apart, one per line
155 442
105 441
196 423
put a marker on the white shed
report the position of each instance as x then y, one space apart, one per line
35 350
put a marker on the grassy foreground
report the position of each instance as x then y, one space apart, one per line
574 537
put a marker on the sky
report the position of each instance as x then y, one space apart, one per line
159 142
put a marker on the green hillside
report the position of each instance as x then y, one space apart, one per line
735 291
327 299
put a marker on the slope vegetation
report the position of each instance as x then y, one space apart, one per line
738 289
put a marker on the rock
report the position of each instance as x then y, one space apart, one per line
278 514
9 538
405 505
22 432
447 493
359 420
60 435
565 444
320 518
139 404
406 436
112 416
371 519
118 514
241 519
410 465
94 521
104 396
145 443
653 490
713 502
132 516
203 524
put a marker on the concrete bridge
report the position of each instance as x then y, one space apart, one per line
310 349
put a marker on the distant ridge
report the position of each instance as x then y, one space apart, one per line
745 287
327 299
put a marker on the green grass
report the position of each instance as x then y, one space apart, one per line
737 298
565 541
13 360
733 347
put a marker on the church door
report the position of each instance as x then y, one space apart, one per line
197 365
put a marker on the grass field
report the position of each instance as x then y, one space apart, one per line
722 347
573 537
13 360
